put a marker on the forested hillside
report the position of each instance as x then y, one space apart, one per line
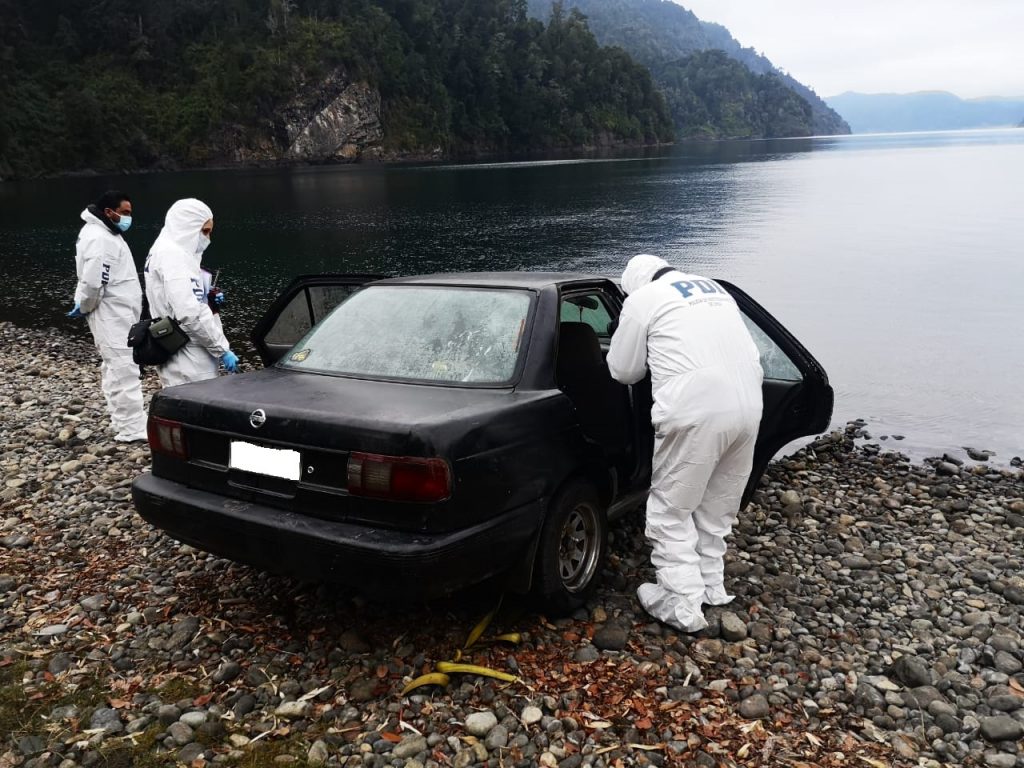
662 33
128 84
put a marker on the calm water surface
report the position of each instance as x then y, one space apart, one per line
896 259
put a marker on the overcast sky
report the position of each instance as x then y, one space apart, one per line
970 47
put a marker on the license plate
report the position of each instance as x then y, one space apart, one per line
275 462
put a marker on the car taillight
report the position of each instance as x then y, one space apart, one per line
399 478
167 437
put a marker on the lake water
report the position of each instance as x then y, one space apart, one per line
898 260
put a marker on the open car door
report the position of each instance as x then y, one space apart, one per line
300 306
797 396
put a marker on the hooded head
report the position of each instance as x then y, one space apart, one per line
640 271
184 220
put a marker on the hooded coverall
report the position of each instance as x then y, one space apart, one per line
706 381
109 295
175 288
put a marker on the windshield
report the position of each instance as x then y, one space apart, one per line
431 333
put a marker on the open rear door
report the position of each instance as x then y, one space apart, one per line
797 396
300 306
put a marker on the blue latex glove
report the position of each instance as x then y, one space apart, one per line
230 361
77 311
218 297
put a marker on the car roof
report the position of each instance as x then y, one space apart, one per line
534 280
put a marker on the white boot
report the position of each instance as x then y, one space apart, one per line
716 595
674 609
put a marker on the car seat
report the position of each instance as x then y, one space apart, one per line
602 404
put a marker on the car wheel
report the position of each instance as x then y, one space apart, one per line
572 549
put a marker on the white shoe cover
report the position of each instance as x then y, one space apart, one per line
133 438
673 609
717 595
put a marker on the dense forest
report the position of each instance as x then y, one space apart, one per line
129 84
675 44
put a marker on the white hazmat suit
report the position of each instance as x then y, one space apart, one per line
175 288
706 380
110 296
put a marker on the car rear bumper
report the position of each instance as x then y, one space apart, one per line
374 559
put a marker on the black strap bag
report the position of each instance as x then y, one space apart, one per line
154 340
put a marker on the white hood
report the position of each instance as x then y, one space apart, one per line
181 227
640 271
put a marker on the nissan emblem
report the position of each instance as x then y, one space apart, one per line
258 418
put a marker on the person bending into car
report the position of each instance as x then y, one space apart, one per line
175 287
706 379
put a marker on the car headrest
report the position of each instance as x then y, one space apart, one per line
578 347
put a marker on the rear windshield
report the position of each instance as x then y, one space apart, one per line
425 333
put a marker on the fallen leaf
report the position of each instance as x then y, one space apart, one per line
394 738
203 700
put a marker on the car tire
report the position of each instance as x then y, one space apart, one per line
572 549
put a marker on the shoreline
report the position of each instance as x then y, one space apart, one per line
879 606
383 158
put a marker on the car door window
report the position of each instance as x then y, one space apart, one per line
293 323
295 320
591 308
777 364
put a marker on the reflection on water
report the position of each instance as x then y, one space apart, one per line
895 258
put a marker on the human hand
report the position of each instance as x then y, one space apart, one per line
77 311
230 361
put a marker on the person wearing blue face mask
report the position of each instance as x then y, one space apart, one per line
109 297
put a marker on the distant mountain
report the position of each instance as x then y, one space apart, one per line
924 111
660 33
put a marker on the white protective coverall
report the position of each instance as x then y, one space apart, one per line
175 288
706 380
109 295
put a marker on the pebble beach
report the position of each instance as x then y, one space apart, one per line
877 622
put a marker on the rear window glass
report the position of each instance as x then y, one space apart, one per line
431 333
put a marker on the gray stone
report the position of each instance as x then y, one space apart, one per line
190 752
610 637
94 603
362 691
789 498
318 753
1000 760
293 710
106 718
180 733
947 468
167 714
497 738
1007 663
227 672
60 662
587 653
479 724
911 671
531 715
1006 702
30 745
410 746
193 719
139 724
755 707
353 642
1001 728
734 628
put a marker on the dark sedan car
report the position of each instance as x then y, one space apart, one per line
432 432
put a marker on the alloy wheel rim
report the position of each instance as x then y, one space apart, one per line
579 548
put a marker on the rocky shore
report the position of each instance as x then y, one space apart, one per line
877 622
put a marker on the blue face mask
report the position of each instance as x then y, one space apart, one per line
124 223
